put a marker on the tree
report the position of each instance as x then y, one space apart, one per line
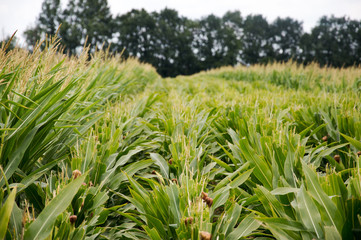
176 45
96 21
136 32
307 53
232 32
81 20
207 42
256 43
50 16
162 39
86 21
354 29
285 38
336 41
47 22
217 40
32 36
174 36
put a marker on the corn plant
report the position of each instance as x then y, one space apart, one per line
98 147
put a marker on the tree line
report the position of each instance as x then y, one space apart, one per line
176 45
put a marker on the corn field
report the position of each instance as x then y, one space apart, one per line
103 148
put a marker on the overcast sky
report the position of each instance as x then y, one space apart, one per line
19 14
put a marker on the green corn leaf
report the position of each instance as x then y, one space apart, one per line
157 224
15 224
131 217
304 132
308 212
31 178
262 169
270 202
162 163
233 218
246 227
282 223
230 177
130 169
355 143
5 213
220 198
152 233
37 112
16 156
331 233
331 214
326 152
41 227
241 179
284 190
221 163
229 155
173 194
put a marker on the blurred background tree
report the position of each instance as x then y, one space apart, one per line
176 45
335 41
285 35
256 40
174 39
217 40
46 24
86 21
136 33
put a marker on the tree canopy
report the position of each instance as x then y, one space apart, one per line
176 45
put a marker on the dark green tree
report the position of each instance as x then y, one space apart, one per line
336 41
208 43
32 36
354 28
232 31
218 40
162 39
174 38
256 40
307 53
86 21
285 38
47 22
176 45
71 33
81 20
137 35
50 16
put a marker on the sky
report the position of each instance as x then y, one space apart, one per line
20 14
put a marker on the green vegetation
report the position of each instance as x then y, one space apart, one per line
176 45
101 148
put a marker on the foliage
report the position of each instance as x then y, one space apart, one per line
47 22
81 22
86 22
104 148
335 41
176 45
286 34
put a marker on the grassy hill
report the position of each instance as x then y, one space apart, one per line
101 148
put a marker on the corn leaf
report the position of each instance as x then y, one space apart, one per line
41 227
